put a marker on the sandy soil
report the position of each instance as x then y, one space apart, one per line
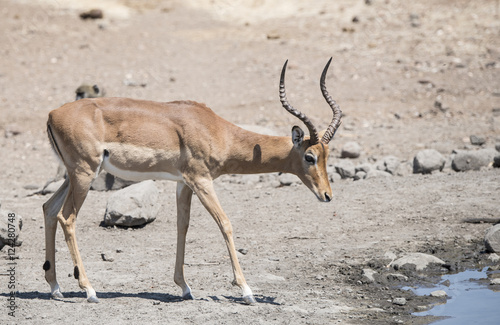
391 64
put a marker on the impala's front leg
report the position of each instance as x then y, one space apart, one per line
205 192
184 195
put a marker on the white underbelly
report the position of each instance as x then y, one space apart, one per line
137 176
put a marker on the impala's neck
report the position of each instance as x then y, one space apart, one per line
252 153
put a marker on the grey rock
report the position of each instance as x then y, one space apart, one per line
10 227
492 239
399 301
494 258
389 164
135 205
496 161
422 308
420 260
368 275
350 150
397 277
472 159
334 177
359 175
345 168
439 293
106 182
375 173
365 167
107 258
428 160
477 141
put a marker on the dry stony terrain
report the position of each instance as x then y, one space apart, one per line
407 75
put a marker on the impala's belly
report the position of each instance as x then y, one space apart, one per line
139 164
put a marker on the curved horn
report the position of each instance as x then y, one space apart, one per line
314 137
337 113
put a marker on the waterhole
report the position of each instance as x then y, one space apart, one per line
471 298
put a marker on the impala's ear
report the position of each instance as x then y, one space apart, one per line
297 136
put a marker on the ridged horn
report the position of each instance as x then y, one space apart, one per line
337 113
314 137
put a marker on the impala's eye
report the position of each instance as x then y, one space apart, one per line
310 159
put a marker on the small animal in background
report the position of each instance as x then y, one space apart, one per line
87 91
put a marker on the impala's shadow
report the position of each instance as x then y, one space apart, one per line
160 297
156 296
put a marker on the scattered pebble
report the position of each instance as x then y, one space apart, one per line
243 251
399 301
368 275
495 281
438 293
92 14
107 258
477 141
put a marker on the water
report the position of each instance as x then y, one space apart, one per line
470 300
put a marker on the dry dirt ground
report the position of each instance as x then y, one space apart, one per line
392 61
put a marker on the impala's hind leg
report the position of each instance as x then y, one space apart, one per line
51 208
184 195
79 186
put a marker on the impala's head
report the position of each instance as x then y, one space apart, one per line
313 152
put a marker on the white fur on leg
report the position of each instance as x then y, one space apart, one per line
186 293
92 296
55 291
247 295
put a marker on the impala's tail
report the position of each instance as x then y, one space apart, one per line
53 142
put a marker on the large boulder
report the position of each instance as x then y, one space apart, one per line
132 206
492 239
472 159
420 260
428 160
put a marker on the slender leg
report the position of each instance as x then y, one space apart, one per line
78 189
50 210
184 195
205 192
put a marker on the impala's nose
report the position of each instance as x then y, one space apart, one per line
327 197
